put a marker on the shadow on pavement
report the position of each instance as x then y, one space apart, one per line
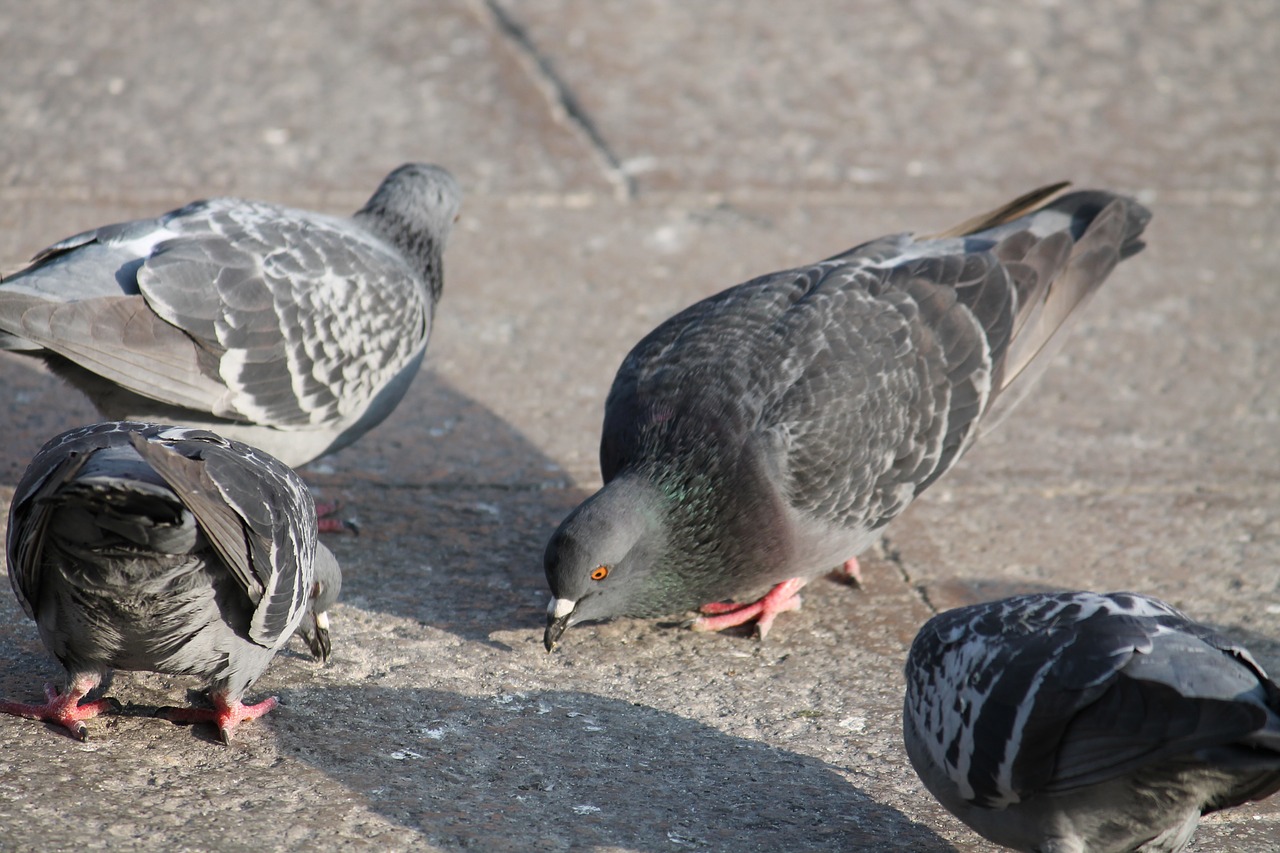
554 770
455 507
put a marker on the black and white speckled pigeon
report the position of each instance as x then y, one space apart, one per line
1072 722
292 331
166 549
766 434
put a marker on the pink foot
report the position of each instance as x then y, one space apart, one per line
720 615
64 709
852 570
225 715
327 523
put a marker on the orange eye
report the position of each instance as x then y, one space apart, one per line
600 573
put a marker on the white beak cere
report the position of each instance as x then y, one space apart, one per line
558 608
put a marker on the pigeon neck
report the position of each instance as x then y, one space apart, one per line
328 579
633 506
420 244
705 493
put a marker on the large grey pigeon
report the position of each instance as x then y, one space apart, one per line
767 434
1072 722
292 331
167 549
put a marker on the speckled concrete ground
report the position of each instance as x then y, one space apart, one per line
622 159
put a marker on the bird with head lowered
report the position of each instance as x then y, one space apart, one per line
167 549
1073 722
767 434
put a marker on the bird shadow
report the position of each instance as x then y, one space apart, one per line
40 407
561 770
455 507
947 593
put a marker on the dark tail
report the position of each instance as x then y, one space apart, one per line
1058 255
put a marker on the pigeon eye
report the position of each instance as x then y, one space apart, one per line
600 573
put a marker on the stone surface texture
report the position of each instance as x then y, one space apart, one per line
621 160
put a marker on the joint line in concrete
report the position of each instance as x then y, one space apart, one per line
561 97
894 556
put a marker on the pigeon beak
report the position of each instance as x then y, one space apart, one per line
319 643
559 611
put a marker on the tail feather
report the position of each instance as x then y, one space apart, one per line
1007 212
1055 275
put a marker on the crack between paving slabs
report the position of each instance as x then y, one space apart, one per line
894 557
561 96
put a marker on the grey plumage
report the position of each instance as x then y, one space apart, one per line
1073 722
768 433
292 331
167 549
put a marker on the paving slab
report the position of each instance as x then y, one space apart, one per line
271 101
931 97
622 160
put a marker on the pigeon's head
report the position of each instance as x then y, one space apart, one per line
601 561
324 593
415 208
422 194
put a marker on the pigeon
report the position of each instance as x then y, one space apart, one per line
767 434
292 331
1073 722
166 549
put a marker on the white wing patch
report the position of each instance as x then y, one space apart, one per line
143 245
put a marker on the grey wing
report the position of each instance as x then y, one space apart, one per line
308 317
1049 693
256 513
79 298
864 375
863 382
244 310
54 466
893 369
29 516
909 344
1189 693
992 688
280 515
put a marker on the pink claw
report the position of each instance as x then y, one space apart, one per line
720 615
225 715
327 521
64 709
852 570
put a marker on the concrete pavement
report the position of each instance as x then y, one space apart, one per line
621 160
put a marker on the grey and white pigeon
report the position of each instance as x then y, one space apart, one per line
292 331
166 549
1073 722
767 434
